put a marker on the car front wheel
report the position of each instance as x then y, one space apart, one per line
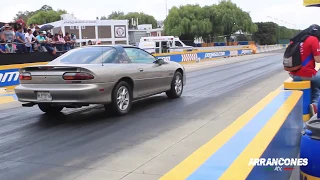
48 108
176 86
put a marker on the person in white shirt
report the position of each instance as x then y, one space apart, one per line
30 39
32 27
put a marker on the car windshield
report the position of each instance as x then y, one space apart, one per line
87 55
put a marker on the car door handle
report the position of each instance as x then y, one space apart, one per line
140 69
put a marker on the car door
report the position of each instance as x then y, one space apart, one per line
150 77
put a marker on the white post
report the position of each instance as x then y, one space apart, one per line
96 33
166 8
80 35
112 34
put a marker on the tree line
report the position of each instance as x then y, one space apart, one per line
45 14
211 23
272 33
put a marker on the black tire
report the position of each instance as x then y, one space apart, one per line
173 93
114 97
49 109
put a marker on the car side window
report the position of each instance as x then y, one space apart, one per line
139 56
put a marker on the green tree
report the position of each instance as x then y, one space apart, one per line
103 18
187 22
44 17
232 18
115 15
45 8
272 33
26 15
209 12
286 33
223 19
267 33
142 18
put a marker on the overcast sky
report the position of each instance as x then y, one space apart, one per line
287 11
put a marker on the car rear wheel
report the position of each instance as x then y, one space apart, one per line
121 98
176 86
48 108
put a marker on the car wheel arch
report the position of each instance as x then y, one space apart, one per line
180 71
128 80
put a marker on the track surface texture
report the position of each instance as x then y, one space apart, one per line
90 144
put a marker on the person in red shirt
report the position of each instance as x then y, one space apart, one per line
310 47
20 21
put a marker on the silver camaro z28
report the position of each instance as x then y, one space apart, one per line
112 75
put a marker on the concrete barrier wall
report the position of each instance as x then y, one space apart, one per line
202 55
267 48
206 54
9 75
270 129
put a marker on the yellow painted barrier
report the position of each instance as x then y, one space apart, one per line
18 66
311 3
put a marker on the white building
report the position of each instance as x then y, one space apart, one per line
105 31
145 26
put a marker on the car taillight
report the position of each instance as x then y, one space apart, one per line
25 76
77 76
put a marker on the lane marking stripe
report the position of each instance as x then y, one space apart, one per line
6 99
261 141
219 162
183 170
17 66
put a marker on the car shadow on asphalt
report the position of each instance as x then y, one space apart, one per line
96 113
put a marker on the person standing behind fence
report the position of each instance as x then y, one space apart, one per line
9 37
41 39
29 40
59 41
36 31
67 39
49 38
73 40
20 21
20 40
2 44
44 43
31 26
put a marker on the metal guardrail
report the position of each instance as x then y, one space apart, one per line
13 50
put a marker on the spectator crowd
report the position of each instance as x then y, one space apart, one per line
18 38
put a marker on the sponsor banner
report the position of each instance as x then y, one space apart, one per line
165 58
245 51
174 57
195 56
73 22
210 55
9 77
233 53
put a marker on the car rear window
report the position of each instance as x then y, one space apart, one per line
88 55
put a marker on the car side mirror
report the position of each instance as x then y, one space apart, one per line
159 61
